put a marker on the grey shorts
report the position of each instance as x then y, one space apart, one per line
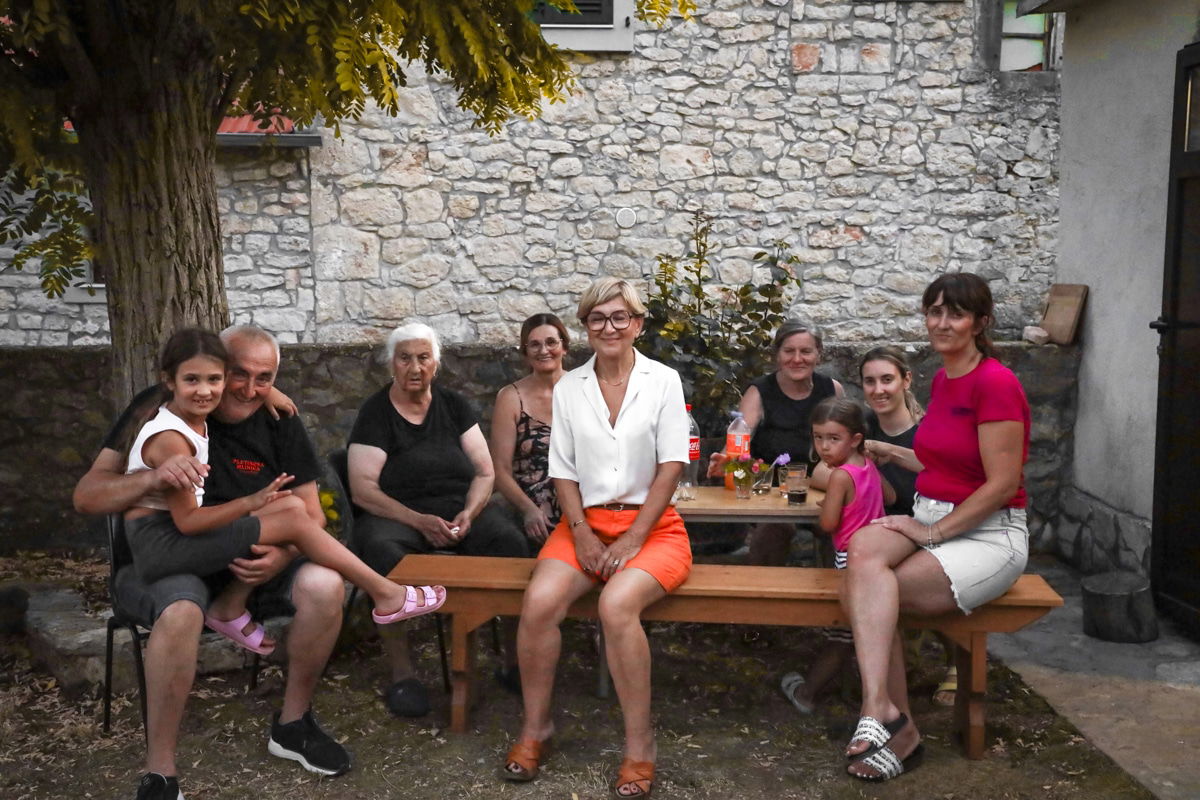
145 601
159 549
982 563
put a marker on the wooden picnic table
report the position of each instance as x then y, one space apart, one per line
480 588
718 504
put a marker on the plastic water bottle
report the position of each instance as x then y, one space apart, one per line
737 442
691 470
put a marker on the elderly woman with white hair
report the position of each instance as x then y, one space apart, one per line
421 472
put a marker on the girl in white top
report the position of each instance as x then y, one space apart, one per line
617 449
174 534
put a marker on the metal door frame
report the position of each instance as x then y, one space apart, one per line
1183 165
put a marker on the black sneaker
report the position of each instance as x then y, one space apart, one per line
157 787
305 742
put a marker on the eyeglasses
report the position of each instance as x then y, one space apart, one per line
537 347
619 319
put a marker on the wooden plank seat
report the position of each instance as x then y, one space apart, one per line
480 588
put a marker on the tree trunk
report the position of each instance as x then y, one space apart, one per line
149 153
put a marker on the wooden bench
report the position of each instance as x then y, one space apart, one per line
480 588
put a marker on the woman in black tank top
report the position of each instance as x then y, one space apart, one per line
777 408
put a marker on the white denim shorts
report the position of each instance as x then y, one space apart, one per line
982 563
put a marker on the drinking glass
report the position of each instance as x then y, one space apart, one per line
797 484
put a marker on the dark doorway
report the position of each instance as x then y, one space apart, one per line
1175 559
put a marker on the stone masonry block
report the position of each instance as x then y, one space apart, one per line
805 57
342 253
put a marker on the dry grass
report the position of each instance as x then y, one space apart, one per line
724 732
85 575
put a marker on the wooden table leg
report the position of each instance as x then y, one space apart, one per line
462 669
969 700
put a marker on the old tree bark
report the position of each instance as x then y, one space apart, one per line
147 136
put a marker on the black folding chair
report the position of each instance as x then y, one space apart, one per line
340 472
120 557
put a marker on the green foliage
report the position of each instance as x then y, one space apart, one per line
44 210
718 338
49 212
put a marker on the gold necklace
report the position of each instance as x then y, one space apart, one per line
617 383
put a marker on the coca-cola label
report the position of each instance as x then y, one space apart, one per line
694 448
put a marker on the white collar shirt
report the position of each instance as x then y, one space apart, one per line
617 463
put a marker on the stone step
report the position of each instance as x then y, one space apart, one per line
68 642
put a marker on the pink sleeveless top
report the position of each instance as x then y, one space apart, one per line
867 505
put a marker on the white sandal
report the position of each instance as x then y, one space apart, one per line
887 764
790 683
875 733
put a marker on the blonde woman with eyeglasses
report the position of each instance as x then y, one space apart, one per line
617 449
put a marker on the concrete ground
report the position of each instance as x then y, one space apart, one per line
1137 703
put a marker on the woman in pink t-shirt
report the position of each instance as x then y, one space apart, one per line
966 542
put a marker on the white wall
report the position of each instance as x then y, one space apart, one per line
1117 87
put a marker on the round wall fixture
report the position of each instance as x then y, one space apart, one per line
626 217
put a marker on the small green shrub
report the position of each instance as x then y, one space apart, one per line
718 338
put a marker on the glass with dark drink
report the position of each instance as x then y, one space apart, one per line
797 484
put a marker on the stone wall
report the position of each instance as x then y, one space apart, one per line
54 430
1094 536
263 198
867 135
264 202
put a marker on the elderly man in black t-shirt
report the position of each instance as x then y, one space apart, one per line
248 447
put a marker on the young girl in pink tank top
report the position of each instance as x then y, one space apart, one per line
855 496
856 493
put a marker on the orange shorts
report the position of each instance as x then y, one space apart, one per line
666 554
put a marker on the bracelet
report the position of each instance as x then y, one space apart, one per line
578 522
929 536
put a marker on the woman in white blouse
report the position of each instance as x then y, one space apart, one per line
617 449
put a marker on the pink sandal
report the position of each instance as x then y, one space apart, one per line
434 597
232 630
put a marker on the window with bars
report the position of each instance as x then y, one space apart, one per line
591 12
601 26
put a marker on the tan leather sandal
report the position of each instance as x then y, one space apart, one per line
526 755
638 774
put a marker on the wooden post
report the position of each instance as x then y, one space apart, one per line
969 701
462 670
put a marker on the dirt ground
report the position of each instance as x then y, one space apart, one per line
724 731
